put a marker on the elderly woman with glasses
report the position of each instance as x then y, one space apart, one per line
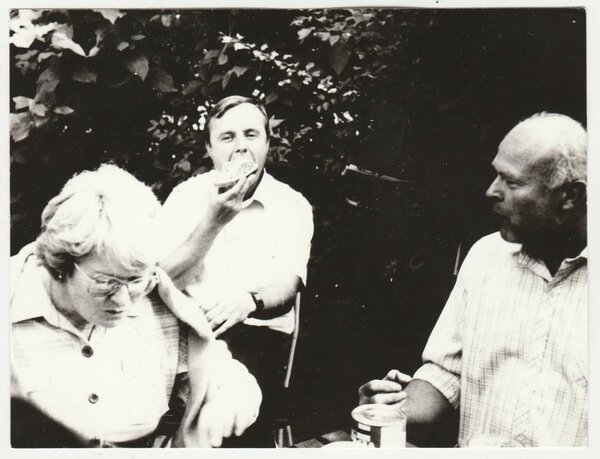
95 346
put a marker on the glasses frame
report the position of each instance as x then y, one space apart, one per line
152 281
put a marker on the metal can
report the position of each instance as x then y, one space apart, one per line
381 426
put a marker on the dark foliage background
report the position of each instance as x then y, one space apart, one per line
421 98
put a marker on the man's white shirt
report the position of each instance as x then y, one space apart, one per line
268 240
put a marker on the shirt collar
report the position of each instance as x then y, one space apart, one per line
583 254
524 258
30 299
264 191
537 266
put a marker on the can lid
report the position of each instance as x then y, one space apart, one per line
378 415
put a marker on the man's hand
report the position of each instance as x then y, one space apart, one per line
222 207
228 413
225 311
182 306
388 391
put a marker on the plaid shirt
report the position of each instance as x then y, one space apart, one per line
107 384
510 347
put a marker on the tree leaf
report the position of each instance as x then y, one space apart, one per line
334 39
93 51
123 45
191 87
226 79
211 53
24 18
22 102
303 33
223 58
63 110
298 21
261 56
162 81
339 55
25 32
184 165
48 80
26 55
38 109
84 75
100 33
166 20
203 73
271 97
239 70
20 125
40 120
60 40
43 56
153 124
110 14
216 77
139 66
23 38
274 122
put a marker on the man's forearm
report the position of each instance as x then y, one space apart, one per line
190 253
432 420
278 297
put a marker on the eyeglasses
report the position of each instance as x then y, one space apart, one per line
106 285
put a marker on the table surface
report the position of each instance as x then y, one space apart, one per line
322 440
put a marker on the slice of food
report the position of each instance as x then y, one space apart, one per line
234 170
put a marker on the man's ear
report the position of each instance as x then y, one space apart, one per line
574 194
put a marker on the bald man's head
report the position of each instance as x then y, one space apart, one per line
554 143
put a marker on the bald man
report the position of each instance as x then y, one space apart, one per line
508 354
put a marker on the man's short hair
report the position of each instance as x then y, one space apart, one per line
561 139
103 210
226 104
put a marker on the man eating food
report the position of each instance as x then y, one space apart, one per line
238 242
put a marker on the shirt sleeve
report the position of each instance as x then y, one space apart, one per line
442 356
180 214
293 249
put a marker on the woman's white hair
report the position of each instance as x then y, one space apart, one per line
559 139
103 210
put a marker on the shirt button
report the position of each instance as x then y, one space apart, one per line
87 351
93 398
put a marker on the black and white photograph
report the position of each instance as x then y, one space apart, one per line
338 226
